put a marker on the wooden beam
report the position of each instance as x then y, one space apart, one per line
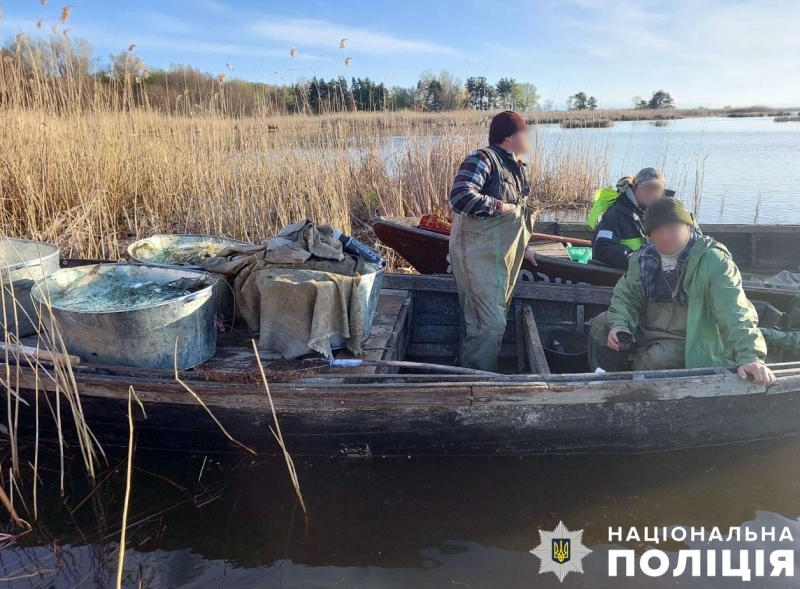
518 324
398 342
533 343
570 293
713 229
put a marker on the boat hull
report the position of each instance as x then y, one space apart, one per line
427 253
615 427
380 411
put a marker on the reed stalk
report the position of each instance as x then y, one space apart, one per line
279 435
204 406
128 474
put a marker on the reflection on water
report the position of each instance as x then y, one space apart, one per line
456 522
735 163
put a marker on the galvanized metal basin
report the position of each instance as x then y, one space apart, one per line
156 250
22 264
369 287
143 336
153 251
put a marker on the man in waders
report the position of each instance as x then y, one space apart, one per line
618 215
680 305
492 225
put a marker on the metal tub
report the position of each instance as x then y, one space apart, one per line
23 263
143 336
369 287
150 251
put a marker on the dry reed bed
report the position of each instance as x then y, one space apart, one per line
91 182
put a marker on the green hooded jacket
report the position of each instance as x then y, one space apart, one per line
722 327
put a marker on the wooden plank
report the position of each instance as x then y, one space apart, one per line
390 302
448 350
549 248
536 357
571 293
434 334
518 325
715 230
580 318
398 342
435 318
326 396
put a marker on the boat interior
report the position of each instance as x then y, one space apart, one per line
418 320
757 249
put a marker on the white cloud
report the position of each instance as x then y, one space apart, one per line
322 33
736 52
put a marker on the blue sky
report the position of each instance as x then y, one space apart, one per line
706 53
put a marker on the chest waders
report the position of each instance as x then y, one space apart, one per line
660 341
486 256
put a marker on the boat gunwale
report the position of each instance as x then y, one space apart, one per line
606 388
756 288
742 228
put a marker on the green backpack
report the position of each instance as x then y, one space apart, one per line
603 199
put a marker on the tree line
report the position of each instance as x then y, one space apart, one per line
125 78
659 99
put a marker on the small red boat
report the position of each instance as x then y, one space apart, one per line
768 249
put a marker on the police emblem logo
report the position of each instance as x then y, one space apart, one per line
561 551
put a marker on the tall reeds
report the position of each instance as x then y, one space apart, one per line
91 165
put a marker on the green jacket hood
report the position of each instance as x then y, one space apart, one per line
702 245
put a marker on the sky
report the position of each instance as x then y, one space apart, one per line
709 53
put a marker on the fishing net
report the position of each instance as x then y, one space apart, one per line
111 290
179 252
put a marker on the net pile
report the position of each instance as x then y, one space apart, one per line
190 251
115 291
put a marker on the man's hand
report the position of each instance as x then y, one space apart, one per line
507 207
759 371
613 340
530 256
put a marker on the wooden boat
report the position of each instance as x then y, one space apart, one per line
765 249
381 411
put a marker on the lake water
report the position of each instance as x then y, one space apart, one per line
736 162
204 522
213 522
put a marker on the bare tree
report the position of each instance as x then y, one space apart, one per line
126 66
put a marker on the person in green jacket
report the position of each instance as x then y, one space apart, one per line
680 305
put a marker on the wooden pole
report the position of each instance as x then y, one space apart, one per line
38 354
356 362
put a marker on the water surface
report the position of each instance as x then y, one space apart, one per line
400 523
745 170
